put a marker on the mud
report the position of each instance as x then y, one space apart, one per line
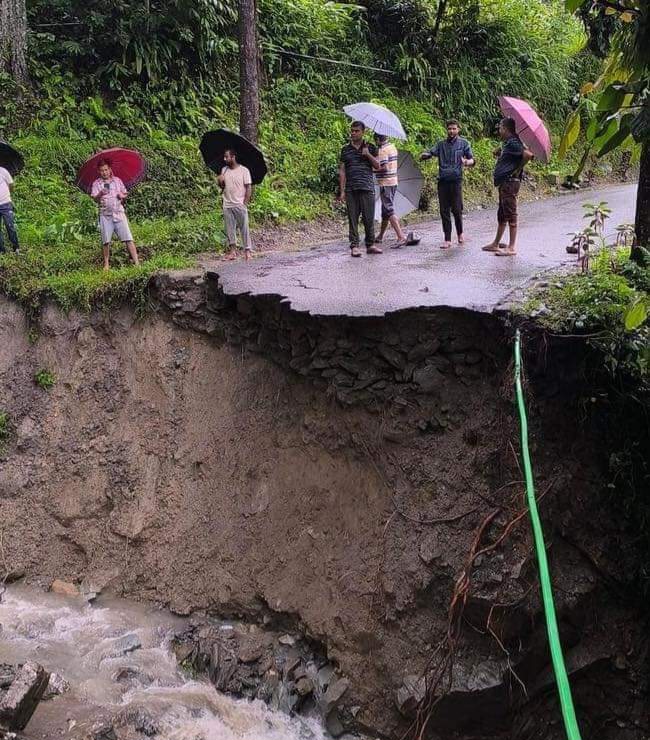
326 477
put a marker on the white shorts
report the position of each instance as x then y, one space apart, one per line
108 226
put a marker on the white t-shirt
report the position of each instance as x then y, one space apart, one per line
234 190
5 181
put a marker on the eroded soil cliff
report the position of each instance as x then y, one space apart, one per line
331 476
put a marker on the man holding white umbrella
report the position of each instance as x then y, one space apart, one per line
384 123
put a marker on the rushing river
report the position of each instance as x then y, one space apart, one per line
92 648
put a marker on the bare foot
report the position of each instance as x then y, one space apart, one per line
399 244
355 252
492 247
461 239
247 255
374 250
232 255
106 268
446 245
508 252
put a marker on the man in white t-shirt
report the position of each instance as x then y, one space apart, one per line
235 181
7 210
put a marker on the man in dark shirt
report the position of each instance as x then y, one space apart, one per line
357 163
454 153
511 160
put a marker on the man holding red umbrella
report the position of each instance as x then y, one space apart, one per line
109 192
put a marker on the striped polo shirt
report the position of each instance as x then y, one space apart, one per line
387 158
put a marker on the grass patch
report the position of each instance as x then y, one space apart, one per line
5 429
45 379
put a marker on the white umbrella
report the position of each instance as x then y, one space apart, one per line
376 117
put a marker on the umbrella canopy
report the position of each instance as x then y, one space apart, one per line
409 188
530 127
376 117
214 144
10 158
127 164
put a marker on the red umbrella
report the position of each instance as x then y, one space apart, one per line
530 127
127 164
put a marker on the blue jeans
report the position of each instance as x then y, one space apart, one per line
7 215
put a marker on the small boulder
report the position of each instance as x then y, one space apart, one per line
63 588
410 694
20 700
56 686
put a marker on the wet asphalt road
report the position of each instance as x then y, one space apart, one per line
325 280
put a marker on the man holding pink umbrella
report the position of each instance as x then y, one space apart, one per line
524 136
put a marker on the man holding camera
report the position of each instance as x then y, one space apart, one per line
109 193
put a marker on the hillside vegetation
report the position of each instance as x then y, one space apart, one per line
156 75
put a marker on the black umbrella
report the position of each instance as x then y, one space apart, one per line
214 144
10 159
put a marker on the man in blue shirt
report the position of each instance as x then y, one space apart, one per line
454 153
512 157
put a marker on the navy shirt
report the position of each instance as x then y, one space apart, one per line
510 161
359 174
450 153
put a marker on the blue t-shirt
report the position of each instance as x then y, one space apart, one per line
510 161
450 153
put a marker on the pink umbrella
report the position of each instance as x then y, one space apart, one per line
530 127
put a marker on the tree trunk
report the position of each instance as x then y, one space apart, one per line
249 90
13 39
642 225
442 7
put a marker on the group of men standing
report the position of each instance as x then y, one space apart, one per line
360 163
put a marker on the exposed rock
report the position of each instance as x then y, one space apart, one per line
304 686
56 686
334 693
96 582
64 589
103 731
428 378
20 699
123 646
422 350
410 694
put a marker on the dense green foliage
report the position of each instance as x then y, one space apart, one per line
609 306
156 74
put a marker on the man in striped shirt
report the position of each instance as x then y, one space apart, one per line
387 181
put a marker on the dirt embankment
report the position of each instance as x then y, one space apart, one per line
331 475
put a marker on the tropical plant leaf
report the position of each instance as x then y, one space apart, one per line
571 133
617 138
612 97
636 314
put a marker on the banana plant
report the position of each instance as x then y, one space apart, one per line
613 110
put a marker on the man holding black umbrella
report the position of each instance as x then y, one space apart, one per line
357 165
7 210
237 185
